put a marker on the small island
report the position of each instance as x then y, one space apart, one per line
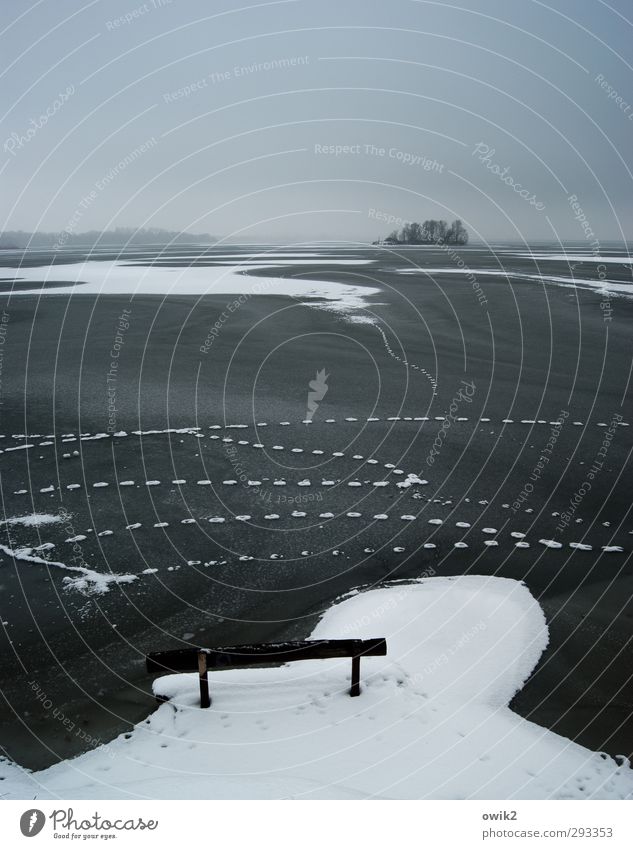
430 232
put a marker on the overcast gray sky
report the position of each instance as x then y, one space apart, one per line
430 101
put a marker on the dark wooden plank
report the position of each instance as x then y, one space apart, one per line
186 660
355 690
205 699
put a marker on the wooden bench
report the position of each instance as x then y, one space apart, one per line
264 654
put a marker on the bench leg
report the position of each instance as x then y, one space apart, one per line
355 691
205 699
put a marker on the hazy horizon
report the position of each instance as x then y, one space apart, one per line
281 122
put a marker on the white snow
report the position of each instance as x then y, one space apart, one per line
551 543
590 258
410 480
432 720
33 520
111 278
611 286
88 582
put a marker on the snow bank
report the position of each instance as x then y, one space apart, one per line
432 719
87 581
613 287
112 278
34 520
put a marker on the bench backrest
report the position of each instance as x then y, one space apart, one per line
186 660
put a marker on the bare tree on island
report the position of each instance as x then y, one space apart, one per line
430 232
457 234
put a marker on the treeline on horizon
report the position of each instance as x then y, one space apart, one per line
430 232
120 236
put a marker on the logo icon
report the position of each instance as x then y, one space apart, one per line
32 822
318 388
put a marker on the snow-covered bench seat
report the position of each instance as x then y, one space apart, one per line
263 654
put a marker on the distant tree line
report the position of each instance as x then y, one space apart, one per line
19 239
430 232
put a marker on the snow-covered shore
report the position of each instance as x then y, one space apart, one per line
432 720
